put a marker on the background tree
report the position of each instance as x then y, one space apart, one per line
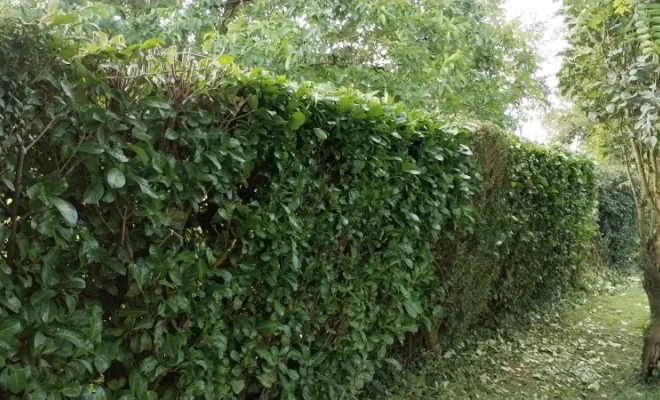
569 125
460 58
611 71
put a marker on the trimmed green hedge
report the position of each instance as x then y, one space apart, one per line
551 205
617 243
175 228
225 234
536 224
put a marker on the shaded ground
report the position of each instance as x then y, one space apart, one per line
589 352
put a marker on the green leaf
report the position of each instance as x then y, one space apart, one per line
39 340
237 155
151 43
116 178
53 5
66 209
116 153
72 389
225 59
157 103
413 308
16 380
74 338
144 187
170 134
269 326
101 362
41 295
237 386
11 302
91 148
320 133
10 328
140 153
148 365
253 101
140 274
94 193
267 378
297 120
137 384
61 19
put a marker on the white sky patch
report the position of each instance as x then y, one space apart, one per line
545 11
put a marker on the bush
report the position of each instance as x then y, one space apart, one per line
205 233
551 204
536 222
176 228
617 242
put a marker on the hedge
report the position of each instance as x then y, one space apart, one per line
617 242
536 222
174 227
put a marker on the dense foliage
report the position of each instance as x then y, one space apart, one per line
551 208
196 231
617 241
536 221
174 227
458 57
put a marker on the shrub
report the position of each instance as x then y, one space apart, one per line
536 221
617 242
180 229
174 227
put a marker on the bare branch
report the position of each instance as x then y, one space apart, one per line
18 183
224 255
627 161
43 132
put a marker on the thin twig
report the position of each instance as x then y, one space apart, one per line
123 229
144 74
18 182
75 164
2 203
162 242
43 132
103 220
75 151
224 256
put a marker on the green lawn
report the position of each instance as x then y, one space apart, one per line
590 351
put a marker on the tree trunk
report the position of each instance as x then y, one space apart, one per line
651 351
649 258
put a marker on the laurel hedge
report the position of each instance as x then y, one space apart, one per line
173 227
536 215
617 242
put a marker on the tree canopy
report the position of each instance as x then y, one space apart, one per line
460 58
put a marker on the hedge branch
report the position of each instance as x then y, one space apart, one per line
18 181
224 255
18 185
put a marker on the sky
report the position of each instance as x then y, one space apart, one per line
530 11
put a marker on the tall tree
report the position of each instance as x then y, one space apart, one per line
456 57
611 70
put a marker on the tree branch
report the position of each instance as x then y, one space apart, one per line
224 256
18 182
43 132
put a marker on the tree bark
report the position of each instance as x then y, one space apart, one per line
649 258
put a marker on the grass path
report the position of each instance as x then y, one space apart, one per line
589 352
